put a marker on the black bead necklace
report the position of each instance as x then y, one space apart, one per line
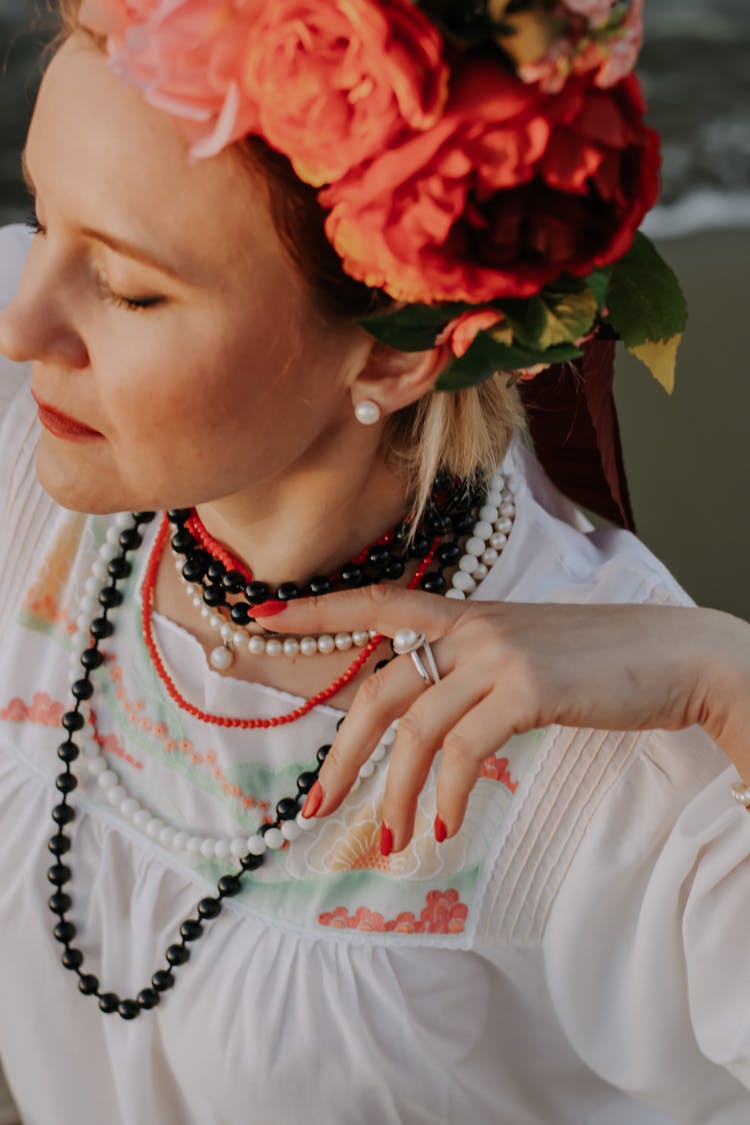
60 874
448 515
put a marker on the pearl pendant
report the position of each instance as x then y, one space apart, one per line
221 658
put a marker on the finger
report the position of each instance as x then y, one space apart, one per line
382 698
421 732
382 608
480 733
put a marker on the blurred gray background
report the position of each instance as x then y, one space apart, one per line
688 456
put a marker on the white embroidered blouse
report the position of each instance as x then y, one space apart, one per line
577 955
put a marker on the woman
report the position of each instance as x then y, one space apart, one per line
574 953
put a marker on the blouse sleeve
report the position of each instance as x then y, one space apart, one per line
647 945
24 507
14 246
9 1114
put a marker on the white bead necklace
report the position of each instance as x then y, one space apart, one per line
483 548
113 786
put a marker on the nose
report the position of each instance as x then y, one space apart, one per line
36 325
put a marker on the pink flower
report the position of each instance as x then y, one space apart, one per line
112 17
597 12
461 333
188 59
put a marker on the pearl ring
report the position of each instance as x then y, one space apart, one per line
408 642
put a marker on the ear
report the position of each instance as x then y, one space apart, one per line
395 379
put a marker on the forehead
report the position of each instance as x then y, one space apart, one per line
104 158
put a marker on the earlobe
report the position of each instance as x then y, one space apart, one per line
396 379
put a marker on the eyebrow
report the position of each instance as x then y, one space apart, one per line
120 246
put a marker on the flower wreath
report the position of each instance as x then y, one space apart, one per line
483 162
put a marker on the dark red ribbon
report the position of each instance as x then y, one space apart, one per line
573 422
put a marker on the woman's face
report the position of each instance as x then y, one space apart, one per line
203 369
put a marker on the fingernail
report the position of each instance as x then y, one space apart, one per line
314 800
440 830
386 839
268 609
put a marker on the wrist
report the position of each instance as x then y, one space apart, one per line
725 674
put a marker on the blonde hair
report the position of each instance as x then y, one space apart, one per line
464 433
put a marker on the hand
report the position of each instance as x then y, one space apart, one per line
507 668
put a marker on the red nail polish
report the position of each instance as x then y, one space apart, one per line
440 830
386 839
314 800
268 609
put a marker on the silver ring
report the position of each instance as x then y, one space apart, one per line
416 659
431 665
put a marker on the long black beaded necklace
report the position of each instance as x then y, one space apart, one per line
60 874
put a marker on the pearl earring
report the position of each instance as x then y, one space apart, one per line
367 412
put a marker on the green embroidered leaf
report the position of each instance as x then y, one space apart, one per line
487 356
645 302
414 328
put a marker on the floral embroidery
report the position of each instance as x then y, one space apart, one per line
443 913
135 708
497 769
42 710
349 840
111 744
42 603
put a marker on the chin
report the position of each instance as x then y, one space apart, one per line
74 481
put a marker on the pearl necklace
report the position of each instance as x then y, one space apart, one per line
113 786
482 549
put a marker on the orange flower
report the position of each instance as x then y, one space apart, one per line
335 83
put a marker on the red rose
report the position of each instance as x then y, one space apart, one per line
512 188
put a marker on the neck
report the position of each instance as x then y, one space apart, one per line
308 522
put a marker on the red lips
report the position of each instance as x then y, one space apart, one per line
62 425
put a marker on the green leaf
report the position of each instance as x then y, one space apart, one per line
414 328
645 301
487 356
553 317
598 283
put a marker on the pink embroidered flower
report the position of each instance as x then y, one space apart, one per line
461 333
16 711
364 919
45 711
338 919
443 913
496 769
404 923
336 82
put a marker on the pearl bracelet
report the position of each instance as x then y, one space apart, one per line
741 794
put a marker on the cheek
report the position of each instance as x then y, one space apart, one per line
214 409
